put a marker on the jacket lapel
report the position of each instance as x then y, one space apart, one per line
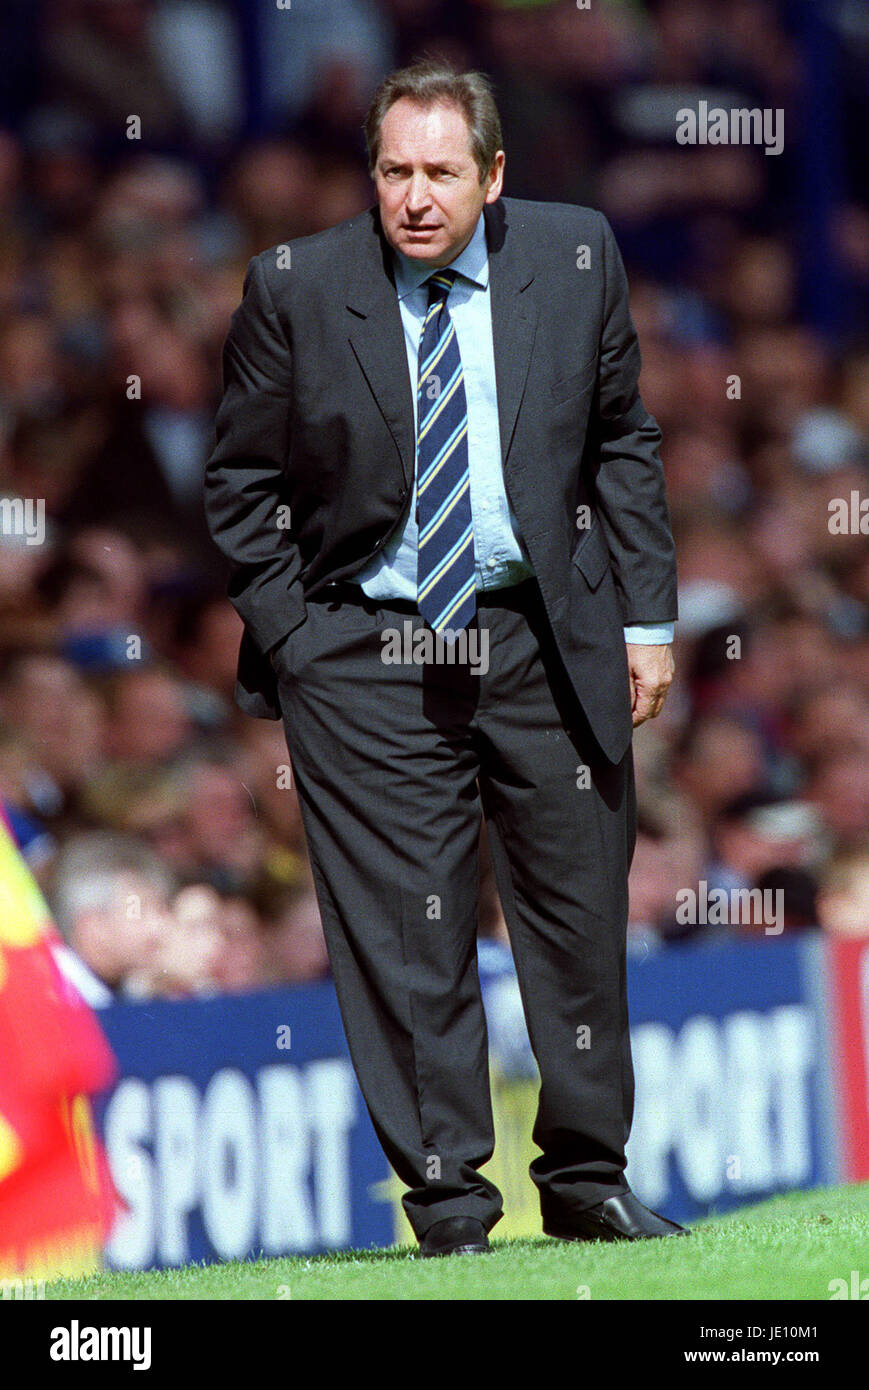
514 315
377 336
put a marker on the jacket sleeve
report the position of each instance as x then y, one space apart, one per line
245 480
623 449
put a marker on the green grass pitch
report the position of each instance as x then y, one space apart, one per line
789 1248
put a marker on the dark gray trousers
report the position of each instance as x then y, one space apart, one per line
394 765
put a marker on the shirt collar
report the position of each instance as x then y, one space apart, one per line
473 263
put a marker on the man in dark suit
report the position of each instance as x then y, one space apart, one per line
442 500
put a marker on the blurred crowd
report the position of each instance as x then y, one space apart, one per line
148 149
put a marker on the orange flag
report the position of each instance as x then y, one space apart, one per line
57 1199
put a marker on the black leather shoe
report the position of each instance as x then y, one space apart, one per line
456 1235
618 1218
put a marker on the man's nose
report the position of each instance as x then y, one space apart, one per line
417 193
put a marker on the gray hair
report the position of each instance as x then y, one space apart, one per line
87 871
430 80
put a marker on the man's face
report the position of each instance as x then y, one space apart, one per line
126 934
427 181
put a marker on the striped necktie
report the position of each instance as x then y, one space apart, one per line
446 594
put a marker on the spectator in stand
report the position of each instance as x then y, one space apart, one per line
243 962
294 942
839 788
227 844
843 896
110 900
45 700
718 759
102 63
148 721
759 833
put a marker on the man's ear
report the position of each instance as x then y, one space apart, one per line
497 171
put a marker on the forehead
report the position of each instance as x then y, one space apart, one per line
410 129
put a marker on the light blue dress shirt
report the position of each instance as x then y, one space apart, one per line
500 555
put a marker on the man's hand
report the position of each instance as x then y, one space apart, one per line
651 670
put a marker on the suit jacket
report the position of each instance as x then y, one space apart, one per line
318 417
